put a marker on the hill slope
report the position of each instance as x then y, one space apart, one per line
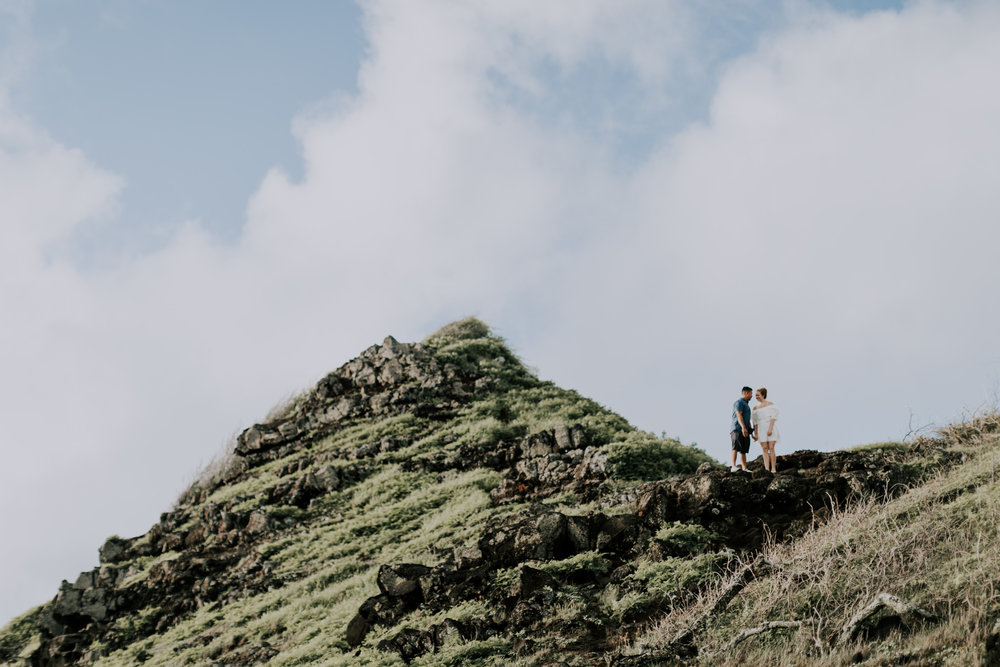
908 580
436 503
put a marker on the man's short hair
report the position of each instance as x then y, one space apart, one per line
746 389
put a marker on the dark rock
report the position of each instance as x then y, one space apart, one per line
553 540
249 441
532 610
378 610
784 489
618 534
401 580
113 550
409 644
533 580
579 533
357 629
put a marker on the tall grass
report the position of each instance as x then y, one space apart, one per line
936 546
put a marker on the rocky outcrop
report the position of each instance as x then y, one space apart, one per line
385 379
534 467
739 509
745 507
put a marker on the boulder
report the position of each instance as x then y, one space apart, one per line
409 644
532 580
260 522
618 534
401 580
378 610
113 550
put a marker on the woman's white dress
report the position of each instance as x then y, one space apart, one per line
761 418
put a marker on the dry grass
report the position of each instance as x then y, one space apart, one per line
937 546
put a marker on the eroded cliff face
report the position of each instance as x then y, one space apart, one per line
562 532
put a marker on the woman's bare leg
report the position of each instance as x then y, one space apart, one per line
772 459
768 448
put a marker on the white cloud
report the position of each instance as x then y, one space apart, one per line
840 186
841 192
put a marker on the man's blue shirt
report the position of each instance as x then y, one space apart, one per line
744 407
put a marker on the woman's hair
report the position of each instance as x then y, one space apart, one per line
763 392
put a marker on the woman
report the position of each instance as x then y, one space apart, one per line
765 428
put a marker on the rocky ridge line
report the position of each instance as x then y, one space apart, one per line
740 509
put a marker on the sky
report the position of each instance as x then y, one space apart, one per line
205 208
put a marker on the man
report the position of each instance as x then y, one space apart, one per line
740 430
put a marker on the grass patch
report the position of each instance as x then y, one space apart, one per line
643 456
937 546
891 446
686 538
20 635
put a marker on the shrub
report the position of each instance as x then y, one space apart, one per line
469 327
590 561
674 575
687 538
661 580
644 457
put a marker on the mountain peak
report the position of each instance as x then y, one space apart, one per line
437 502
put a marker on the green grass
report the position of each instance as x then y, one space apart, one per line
643 456
327 554
19 635
390 517
881 447
656 583
936 546
685 538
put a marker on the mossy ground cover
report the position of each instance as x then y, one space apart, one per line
936 546
20 635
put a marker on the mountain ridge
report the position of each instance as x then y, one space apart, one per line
437 503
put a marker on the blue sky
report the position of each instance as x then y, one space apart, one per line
205 207
189 101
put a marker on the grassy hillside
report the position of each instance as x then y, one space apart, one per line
436 503
280 563
936 547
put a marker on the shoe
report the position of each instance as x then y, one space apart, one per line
733 469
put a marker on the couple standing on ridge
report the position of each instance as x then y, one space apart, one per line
761 422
